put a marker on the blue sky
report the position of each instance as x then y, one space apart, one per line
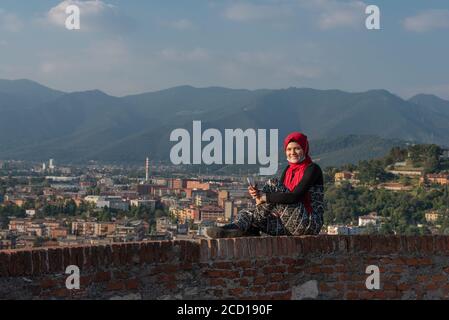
133 46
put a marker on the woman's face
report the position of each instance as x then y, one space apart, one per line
294 152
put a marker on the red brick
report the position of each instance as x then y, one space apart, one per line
439 278
329 261
403 286
327 270
276 277
282 296
218 292
272 287
166 251
389 286
283 242
213 249
239 249
294 269
398 261
249 273
432 286
38 268
244 264
252 244
102 276
217 282
48 283
397 270
274 269
236 292
367 295
166 277
108 255
230 244
186 266
94 256
324 287
16 268
356 286
412 261
133 253
338 286
392 294
343 277
221 274
313 270
55 259
120 274
395 277
268 245
132 284
352 295
425 262
275 246
222 265
222 249
4 263
85 280
60 293
213 273
340 268
260 280
170 285
143 252
115 285
259 251
422 278
65 257
244 282
88 257
256 289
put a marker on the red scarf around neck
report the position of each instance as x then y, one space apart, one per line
295 171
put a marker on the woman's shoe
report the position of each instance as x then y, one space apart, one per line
222 232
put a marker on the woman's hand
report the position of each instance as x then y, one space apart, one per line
261 199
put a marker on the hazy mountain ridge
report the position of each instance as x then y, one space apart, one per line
39 123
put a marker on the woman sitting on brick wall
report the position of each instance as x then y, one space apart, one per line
291 205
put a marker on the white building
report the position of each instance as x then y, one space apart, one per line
151 204
371 218
342 230
116 203
30 213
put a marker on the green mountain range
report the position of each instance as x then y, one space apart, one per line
38 123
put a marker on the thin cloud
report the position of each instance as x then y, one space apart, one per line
182 24
427 21
94 14
197 54
336 14
245 12
327 14
10 22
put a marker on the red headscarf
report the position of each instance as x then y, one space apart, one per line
295 171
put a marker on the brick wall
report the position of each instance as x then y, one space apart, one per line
323 267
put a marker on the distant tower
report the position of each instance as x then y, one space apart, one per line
44 167
147 169
51 165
